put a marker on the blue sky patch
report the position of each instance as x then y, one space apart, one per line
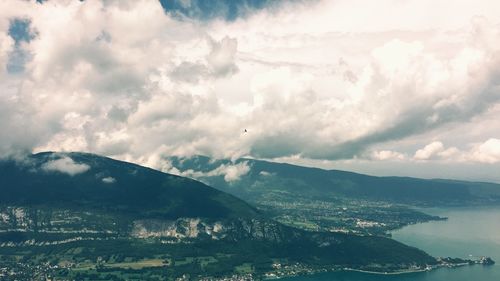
206 10
20 30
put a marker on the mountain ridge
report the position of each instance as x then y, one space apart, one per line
407 190
80 207
131 185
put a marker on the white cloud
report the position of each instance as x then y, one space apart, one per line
487 152
429 151
450 153
387 155
265 173
108 180
437 151
65 165
330 80
230 172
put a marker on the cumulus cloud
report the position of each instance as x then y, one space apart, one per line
436 150
65 165
387 155
108 180
487 152
302 78
429 151
231 172
265 173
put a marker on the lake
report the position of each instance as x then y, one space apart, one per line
468 231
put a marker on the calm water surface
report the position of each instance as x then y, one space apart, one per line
468 231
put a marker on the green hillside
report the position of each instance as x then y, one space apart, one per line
332 200
133 189
280 178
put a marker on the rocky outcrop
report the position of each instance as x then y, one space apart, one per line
238 229
180 228
63 221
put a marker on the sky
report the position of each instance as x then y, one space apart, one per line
389 87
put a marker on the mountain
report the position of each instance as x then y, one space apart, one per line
79 216
332 200
53 179
284 180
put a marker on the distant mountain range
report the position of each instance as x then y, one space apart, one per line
264 179
78 201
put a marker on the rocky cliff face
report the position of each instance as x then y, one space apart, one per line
180 228
71 224
33 220
185 228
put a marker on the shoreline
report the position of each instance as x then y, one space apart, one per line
403 271
389 273
408 271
